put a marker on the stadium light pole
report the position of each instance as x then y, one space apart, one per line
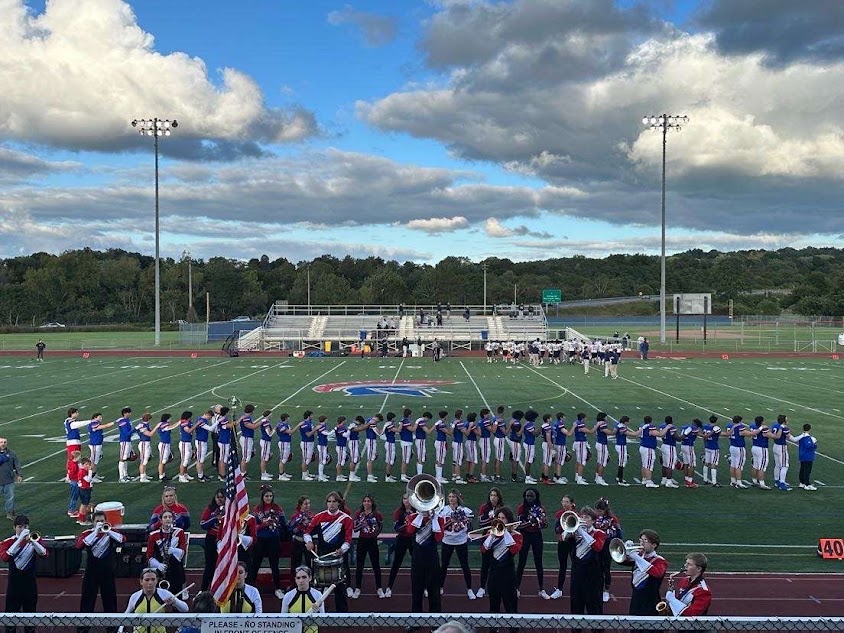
156 127
663 123
484 266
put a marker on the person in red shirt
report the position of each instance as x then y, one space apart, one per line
166 550
587 578
210 522
330 536
84 475
403 543
73 478
648 571
169 501
692 595
502 571
368 523
565 545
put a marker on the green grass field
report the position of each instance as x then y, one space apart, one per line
741 529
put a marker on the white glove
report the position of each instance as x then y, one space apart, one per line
508 539
488 541
98 527
24 534
417 522
177 553
641 563
157 565
676 605
246 541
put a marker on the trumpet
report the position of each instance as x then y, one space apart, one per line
620 550
662 607
425 493
105 527
164 584
35 536
496 528
570 522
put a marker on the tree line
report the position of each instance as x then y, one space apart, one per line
86 287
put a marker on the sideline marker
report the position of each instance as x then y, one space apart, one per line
725 357
86 354
194 355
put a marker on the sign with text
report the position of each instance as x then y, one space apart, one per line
552 295
831 548
251 624
693 303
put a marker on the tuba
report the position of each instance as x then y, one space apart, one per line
425 493
620 550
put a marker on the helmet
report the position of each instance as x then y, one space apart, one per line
133 456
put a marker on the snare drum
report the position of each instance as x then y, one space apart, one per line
329 571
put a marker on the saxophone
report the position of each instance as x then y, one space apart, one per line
662 607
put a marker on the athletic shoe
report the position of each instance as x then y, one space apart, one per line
442 590
621 482
341 478
582 482
202 478
741 484
281 477
356 594
349 592
600 481
307 477
144 479
485 479
562 480
323 478
190 478
459 480
530 480
716 485
381 593
784 486
72 515
544 595
96 480
266 477
425 593
80 522
691 484
556 594
650 484
605 596
764 486
480 593
182 479
221 478
514 479
164 478
353 477
443 480
388 593
371 479
810 487
671 484
405 479
470 594
390 479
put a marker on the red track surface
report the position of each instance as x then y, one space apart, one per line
734 594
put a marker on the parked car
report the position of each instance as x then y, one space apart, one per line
237 319
52 324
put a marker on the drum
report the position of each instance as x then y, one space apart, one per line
329 571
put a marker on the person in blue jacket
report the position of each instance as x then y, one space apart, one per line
807 445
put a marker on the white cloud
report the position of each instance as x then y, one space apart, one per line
439 225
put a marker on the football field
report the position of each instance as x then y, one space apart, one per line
741 530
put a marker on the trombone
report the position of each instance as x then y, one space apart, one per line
620 550
570 522
496 529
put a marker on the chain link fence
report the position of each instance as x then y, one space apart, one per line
388 623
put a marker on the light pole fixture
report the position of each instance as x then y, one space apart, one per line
155 128
663 123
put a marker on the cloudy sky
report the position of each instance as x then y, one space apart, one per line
414 129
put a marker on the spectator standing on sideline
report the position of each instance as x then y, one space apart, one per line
807 445
39 350
10 474
645 347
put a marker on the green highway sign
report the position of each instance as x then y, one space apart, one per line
552 295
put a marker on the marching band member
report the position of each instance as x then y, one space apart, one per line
565 545
441 445
586 574
403 543
601 448
145 430
406 428
323 458
306 443
457 519
368 523
150 598
689 434
100 544
649 569
501 549
266 430
186 434
166 549
607 522
529 433
270 528
692 595
303 597
421 430
169 501
780 434
20 552
125 430
211 522
330 532
533 520
668 451
486 515
371 443
548 450
389 433
473 434
247 436
245 598
299 522
285 440
514 441
622 430
711 451
427 531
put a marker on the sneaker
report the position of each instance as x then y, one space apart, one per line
323 478
266 477
443 480
72 515
600 481
716 485
621 482
164 478
803 486
425 593
562 480
96 480
650 484
353 477
671 484
556 594
405 479
764 486
470 594
480 593
691 484
388 593
279 594
459 480
513 478
605 596
144 479
356 594
307 477
220 478
381 593
280 477
581 482
485 479
80 522
810 487
286 477
372 479
741 484
341 478
390 479
528 480
182 479
189 478
544 594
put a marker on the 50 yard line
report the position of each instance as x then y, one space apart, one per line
384 404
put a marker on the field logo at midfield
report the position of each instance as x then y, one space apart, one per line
412 388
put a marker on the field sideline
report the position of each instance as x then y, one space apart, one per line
742 530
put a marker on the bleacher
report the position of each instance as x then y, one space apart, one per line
340 328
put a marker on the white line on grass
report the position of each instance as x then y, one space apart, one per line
307 385
668 395
569 391
67 382
478 389
384 404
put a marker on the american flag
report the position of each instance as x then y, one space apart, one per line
235 511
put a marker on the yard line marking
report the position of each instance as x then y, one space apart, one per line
103 395
28 478
384 404
66 382
663 393
478 389
308 385
569 391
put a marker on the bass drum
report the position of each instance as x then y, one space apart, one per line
328 571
